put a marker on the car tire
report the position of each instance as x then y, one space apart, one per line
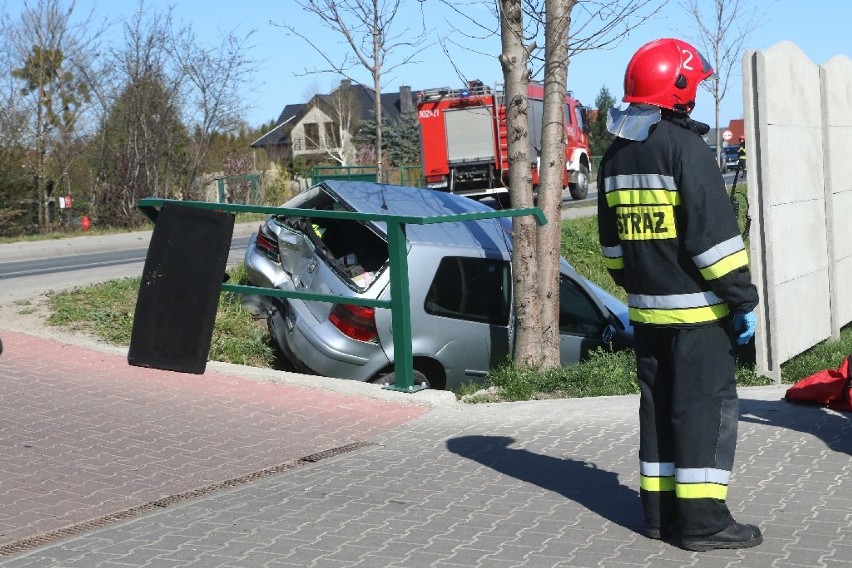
390 379
580 190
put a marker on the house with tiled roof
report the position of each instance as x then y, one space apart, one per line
323 129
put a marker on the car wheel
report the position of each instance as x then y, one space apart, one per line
580 190
390 379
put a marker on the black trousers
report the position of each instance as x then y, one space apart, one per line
688 417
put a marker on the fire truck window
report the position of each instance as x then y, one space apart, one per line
473 289
579 114
577 314
535 108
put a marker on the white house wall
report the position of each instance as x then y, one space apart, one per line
317 116
797 116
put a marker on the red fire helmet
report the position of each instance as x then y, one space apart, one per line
665 73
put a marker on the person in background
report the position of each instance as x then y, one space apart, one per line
741 152
669 237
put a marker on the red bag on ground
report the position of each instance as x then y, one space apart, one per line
832 388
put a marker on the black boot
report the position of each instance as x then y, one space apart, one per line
734 535
657 533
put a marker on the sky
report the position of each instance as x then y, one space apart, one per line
286 63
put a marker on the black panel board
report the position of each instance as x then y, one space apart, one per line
179 293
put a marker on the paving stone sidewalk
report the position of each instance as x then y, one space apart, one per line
532 484
83 435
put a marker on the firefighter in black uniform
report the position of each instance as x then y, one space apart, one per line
741 154
670 238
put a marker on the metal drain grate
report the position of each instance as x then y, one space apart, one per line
29 543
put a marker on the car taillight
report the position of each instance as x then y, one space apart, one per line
267 244
357 322
433 179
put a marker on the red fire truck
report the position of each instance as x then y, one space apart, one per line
465 147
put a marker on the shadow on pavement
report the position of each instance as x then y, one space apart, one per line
834 428
582 482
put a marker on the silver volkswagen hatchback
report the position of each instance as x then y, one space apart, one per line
460 276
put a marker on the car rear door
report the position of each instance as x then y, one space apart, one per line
460 312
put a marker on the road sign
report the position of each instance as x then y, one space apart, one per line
727 135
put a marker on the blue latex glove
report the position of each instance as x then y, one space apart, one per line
744 323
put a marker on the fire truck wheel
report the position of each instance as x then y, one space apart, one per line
580 190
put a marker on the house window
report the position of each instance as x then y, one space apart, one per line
312 139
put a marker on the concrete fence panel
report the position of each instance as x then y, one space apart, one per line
796 252
837 102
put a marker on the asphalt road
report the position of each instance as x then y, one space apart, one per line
75 262
29 269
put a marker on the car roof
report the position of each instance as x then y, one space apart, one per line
370 197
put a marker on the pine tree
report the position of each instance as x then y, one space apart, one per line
599 136
401 139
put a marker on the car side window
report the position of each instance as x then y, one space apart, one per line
577 314
474 289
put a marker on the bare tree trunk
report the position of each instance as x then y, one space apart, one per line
516 75
552 172
41 167
377 85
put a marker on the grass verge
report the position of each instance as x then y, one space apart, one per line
106 311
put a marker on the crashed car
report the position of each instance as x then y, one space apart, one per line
460 278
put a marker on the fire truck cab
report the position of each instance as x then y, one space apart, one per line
465 143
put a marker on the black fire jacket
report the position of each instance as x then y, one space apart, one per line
668 230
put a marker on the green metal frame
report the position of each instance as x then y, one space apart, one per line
399 304
344 173
253 179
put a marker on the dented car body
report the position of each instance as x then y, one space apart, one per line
460 283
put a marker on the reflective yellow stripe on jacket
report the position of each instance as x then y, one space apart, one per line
613 257
673 309
722 258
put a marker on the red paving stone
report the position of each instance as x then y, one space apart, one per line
83 434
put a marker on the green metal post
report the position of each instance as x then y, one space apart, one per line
400 310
